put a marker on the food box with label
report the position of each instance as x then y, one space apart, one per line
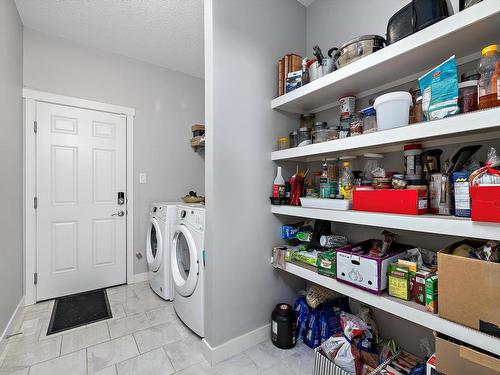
469 289
355 267
392 201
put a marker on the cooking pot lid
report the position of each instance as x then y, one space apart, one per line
362 38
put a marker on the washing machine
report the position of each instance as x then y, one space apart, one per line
162 217
188 266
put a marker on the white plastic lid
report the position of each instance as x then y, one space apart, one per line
374 156
462 85
393 96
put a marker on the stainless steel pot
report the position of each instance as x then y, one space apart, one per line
357 48
323 65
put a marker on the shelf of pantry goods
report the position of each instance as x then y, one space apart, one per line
408 310
464 35
469 127
447 225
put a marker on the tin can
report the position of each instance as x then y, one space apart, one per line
347 106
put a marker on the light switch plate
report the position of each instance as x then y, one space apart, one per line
143 178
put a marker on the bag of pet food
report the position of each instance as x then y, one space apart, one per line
330 317
312 335
301 316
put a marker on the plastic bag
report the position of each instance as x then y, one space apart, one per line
487 175
330 317
316 295
347 354
301 316
312 335
439 89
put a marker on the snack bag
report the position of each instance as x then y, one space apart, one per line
301 316
330 317
439 89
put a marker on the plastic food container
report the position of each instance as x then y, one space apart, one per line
324 135
393 109
305 137
294 139
282 143
356 124
467 96
347 106
369 120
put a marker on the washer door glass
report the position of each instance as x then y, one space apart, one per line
154 245
184 261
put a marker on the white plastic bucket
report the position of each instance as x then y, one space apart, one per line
393 109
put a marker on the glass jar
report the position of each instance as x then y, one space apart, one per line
467 96
369 120
356 124
294 139
307 121
334 132
282 143
372 162
418 111
344 128
305 137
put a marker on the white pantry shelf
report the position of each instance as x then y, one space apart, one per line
408 310
446 225
469 127
463 35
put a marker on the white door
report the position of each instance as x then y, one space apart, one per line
81 228
185 262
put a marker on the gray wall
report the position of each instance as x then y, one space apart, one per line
332 23
167 103
11 167
248 39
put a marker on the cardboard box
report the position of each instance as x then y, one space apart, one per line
452 358
418 290
485 203
356 268
469 289
392 201
327 263
431 294
399 281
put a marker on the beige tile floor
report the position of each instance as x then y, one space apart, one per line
144 337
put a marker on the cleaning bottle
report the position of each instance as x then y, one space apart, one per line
279 185
488 83
346 181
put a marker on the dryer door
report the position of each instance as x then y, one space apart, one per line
184 263
154 245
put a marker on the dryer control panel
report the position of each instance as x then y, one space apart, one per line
195 218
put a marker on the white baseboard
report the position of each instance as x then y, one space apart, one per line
13 319
140 277
235 346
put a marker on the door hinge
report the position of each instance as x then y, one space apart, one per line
35 278
35 203
35 126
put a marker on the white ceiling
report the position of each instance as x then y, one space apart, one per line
306 2
167 33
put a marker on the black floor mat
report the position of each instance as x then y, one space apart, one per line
78 310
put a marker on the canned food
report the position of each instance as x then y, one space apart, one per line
347 106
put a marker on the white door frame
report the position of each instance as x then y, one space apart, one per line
30 98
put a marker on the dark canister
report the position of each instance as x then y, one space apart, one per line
283 326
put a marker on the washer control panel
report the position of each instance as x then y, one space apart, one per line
194 218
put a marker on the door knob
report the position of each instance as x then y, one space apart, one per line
119 213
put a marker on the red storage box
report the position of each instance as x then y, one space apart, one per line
392 201
485 203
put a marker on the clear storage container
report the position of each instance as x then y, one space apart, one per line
305 137
369 120
356 124
294 139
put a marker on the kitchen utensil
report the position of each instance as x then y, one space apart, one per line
414 17
357 48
